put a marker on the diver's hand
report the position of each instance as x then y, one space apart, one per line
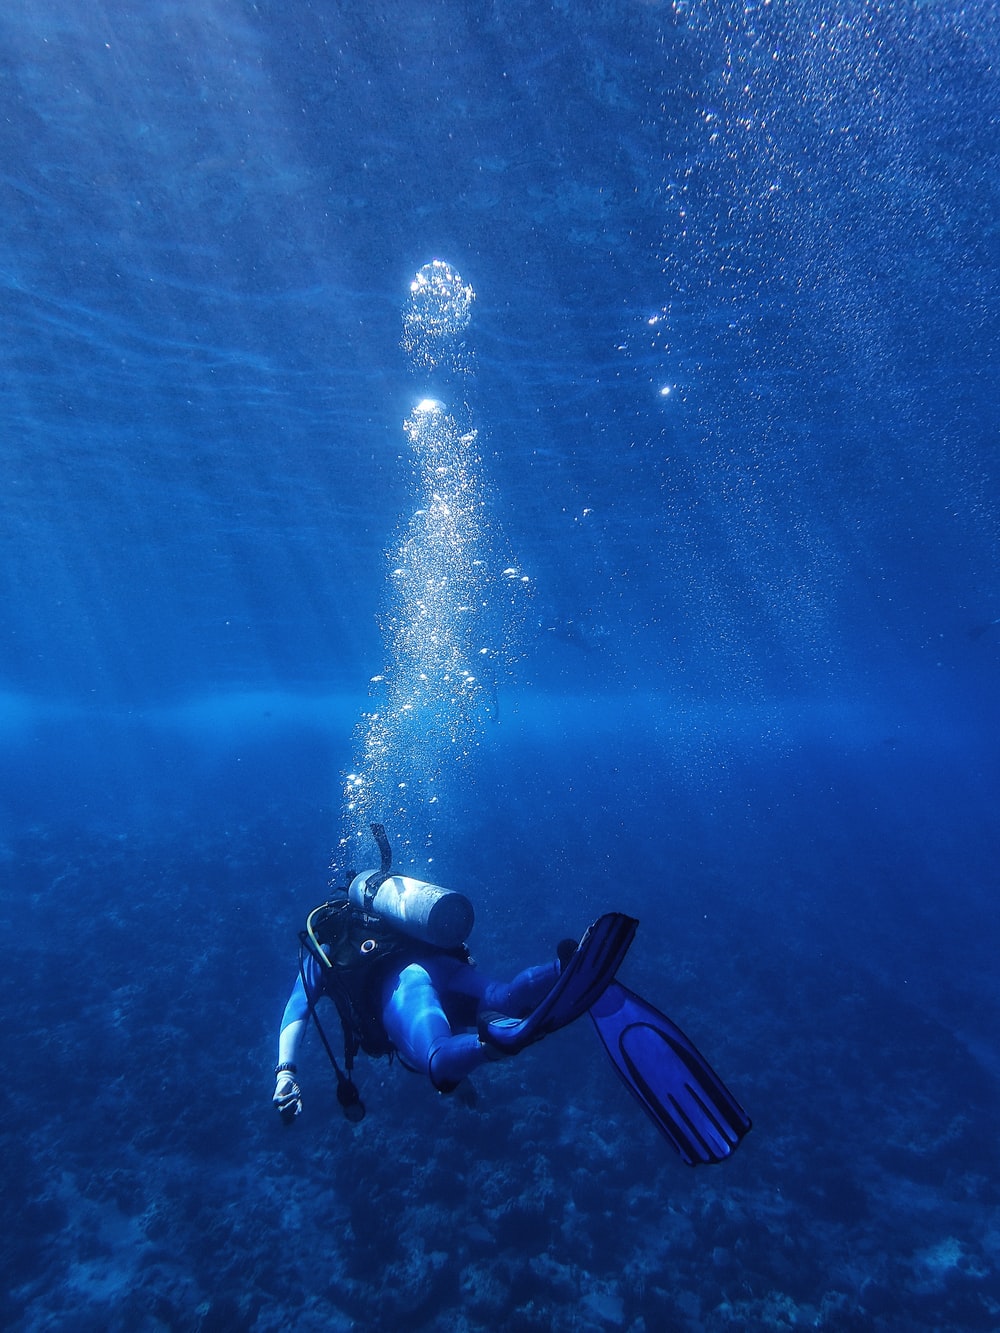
287 1096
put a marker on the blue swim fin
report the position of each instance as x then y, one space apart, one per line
584 978
669 1077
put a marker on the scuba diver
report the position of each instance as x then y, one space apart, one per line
389 952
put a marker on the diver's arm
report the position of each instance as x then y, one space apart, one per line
288 1041
293 1020
287 1094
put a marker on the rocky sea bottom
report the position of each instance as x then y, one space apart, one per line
148 1184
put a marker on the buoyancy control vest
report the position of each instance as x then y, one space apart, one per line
376 917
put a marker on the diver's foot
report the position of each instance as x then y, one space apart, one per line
487 1039
565 950
585 973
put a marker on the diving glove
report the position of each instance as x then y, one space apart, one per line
287 1096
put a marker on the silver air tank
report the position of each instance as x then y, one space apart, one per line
424 911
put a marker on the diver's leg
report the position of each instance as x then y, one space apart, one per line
585 972
517 997
527 989
418 1027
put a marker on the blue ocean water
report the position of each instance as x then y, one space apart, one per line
724 424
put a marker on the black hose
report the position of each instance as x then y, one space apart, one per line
385 851
347 1093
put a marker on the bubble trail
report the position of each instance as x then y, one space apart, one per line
432 699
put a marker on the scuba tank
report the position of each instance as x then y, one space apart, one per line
423 911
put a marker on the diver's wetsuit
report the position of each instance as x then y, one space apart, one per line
427 1004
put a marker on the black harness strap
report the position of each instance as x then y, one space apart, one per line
347 1094
354 1036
